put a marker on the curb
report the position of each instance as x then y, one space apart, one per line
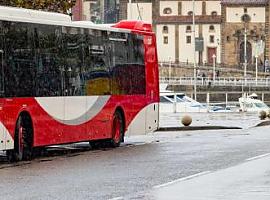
195 128
264 123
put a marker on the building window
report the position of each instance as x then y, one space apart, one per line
188 39
165 40
179 8
203 8
211 28
214 13
245 18
167 11
165 29
190 13
212 39
188 29
245 10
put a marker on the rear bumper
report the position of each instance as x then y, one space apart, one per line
6 141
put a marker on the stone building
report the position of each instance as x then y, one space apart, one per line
245 34
221 24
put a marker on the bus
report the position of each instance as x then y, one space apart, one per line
63 82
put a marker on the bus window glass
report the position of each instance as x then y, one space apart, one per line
73 61
20 73
128 68
96 75
1 60
48 78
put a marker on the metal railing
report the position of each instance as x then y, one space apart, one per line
220 81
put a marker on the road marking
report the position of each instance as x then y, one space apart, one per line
257 157
117 198
182 179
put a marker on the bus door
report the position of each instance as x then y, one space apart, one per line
152 78
2 130
5 139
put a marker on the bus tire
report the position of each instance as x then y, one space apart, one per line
117 129
23 142
94 145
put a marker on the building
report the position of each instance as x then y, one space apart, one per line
77 11
245 34
221 27
97 11
172 21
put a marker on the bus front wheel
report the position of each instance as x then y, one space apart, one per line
117 129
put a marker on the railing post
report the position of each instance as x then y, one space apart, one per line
226 100
207 101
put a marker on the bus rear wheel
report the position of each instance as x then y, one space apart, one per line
23 140
117 129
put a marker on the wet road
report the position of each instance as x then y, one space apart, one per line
136 167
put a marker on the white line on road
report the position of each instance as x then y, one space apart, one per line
257 157
117 198
182 179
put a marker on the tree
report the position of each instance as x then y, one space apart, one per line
62 6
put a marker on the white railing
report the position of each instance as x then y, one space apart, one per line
220 81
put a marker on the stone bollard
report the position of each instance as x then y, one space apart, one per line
262 115
268 114
186 120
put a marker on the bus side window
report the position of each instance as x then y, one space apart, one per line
48 80
1 60
73 67
20 73
96 75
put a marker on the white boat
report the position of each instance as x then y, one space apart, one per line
251 103
179 102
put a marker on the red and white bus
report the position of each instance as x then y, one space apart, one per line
63 82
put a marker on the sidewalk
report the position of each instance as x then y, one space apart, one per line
247 181
240 119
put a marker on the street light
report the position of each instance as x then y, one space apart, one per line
256 58
246 19
194 52
214 67
245 55
170 68
130 9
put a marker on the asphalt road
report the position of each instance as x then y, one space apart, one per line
136 167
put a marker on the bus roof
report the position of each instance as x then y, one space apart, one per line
51 18
35 16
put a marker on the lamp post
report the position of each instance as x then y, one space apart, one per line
194 52
245 19
256 61
245 55
170 68
130 9
214 67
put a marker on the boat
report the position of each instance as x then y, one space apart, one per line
171 101
179 102
251 103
